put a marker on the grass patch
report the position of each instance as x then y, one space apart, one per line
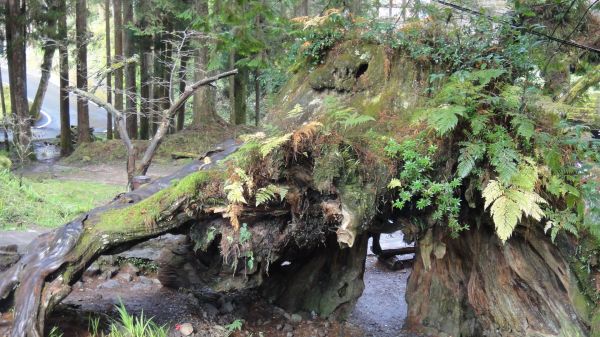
48 203
128 325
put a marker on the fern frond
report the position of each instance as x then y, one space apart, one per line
235 192
469 154
504 160
445 118
394 183
492 192
356 119
508 204
295 112
268 193
306 131
272 143
505 213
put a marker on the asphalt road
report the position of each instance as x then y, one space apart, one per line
48 126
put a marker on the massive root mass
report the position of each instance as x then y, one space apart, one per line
290 214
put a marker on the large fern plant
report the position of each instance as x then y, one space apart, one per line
524 162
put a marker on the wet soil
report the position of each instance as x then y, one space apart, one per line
380 312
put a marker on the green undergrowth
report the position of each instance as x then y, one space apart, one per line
48 203
112 151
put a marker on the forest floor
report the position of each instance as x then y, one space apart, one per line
380 312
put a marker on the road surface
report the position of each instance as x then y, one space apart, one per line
48 126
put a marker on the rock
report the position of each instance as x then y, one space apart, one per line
288 328
211 310
130 269
295 318
225 305
125 277
140 287
92 271
290 334
110 284
186 329
279 326
108 273
146 280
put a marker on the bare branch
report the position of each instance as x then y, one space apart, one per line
168 114
119 116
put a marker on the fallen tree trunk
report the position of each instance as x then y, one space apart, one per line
55 260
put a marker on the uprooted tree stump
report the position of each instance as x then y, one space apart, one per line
290 215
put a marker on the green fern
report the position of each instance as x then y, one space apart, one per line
470 153
445 118
355 119
503 156
272 143
508 204
235 192
268 193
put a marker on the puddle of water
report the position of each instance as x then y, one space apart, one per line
46 152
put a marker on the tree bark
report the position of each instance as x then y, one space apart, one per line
146 64
522 288
157 87
109 89
5 117
182 85
256 97
17 70
205 98
240 94
83 117
118 28
66 143
130 70
46 67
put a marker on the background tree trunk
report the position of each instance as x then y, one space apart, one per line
46 67
130 71
83 118
17 69
240 94
182 84
204 99
107 14
66 143
146 65
118 27
5 117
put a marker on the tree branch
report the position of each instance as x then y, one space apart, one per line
119 117
168 114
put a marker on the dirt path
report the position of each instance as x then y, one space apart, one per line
100 173
382 309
